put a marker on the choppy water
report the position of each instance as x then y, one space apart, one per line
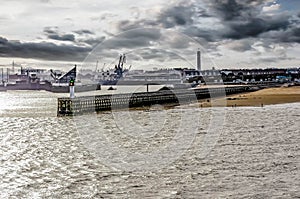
257 154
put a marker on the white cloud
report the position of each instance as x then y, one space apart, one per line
271 8
26 21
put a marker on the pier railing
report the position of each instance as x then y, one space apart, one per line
88 104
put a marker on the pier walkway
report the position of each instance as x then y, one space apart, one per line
88 104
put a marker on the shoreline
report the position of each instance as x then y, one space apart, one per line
268 96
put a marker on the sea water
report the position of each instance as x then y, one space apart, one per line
180 152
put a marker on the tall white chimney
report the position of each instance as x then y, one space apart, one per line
198 60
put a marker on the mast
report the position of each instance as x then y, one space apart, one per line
120 60
103 67
96 66
7 74
123 60
2 76
13 66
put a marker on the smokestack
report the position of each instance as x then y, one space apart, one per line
198 60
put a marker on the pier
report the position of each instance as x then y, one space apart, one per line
98 103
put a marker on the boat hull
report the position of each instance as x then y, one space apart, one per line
81 88
50 88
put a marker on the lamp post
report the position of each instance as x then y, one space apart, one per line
72 88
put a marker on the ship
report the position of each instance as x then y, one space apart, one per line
29 80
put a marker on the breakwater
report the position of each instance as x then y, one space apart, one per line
88 104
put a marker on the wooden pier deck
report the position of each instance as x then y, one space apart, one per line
88 104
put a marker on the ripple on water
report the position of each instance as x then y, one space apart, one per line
257 154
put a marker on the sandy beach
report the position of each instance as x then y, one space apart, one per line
262 97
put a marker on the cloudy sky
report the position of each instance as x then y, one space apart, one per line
230 33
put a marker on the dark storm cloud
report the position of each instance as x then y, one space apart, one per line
208 35
244 19
230 10
240 19
3 41
142 33
53 33
133 38
253 27
179 43
51 30
215 22
84 32
273 59
241 45
125 25
63 37
92 41
117 43
291 35
178 15
181 14
184 13
43 50
157 54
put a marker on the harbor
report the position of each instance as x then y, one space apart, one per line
119 74
178 86
175 86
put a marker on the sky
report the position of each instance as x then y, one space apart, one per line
153 34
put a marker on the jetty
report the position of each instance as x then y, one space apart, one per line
98 103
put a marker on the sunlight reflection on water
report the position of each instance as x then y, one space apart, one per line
42 156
